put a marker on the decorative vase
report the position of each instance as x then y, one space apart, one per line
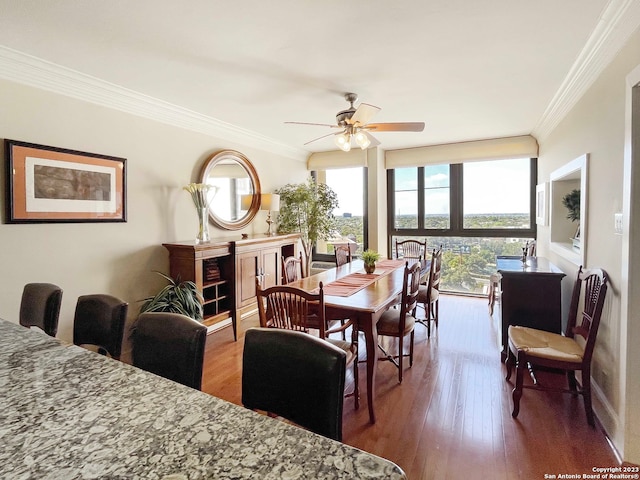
203 228
369 267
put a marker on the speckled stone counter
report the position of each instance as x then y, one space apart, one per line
67 413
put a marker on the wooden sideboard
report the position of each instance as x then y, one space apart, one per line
531 295
225 270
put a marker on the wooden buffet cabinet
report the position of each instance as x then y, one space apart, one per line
225 270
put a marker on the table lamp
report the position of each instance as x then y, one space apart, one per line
271 203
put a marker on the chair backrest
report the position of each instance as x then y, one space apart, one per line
436 268
40 307
410 288
530 248
296 376
411 249
343 255
99 320
290 268
170 345
591 286
291 308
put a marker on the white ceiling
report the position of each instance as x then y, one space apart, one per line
468 69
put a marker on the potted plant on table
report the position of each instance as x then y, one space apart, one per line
370 257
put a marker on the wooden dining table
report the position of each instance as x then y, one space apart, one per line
365 306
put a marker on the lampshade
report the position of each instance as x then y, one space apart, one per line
245 202
270 201
343 141
362 140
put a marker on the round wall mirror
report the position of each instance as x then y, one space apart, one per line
236 200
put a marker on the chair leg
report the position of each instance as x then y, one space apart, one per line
356 392
436 306
571 379
400 355
521 364
586 393
509 362
411 350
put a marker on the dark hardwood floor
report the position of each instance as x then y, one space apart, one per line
451 416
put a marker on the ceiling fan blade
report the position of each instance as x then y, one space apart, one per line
396 127
317 124
363 114
323 136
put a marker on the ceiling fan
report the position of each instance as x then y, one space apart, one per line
354 123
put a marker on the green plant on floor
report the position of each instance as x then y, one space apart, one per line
176 297
307 208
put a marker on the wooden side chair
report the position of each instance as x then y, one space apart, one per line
342 254
296 376
429 294
99 322
170 345
291 308
40 307
400 322
293 268
411 249
531 348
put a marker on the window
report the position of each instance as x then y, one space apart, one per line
476 210
349 184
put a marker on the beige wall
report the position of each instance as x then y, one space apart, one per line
116 258
596 126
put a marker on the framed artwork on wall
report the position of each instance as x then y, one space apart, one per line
52 185
542 213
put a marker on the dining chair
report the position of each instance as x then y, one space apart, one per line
170 345
342 254
429 294
290 308
400 322
40 307
98 323
411 249
569 352
293 268
296 376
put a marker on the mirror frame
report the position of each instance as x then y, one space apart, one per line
210 164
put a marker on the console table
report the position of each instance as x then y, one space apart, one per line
531 295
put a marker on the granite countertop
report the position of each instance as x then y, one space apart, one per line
67 413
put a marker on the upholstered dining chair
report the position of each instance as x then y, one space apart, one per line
293 268
400 322
342 254
170 345
290 308
294 375
98 323
412 250
429 294
40 307
530 348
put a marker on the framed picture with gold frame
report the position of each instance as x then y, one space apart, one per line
51 185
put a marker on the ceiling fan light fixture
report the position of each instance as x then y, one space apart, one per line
343 141
362 140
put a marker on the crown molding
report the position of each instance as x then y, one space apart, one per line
619 20
35 72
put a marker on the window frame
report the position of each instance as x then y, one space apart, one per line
456 213
325 257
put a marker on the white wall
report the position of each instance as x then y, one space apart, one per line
113 258
596 125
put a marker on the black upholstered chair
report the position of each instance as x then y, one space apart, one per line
99 323
296 376
170 345
40 307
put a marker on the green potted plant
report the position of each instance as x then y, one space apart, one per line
307 208
176 297
571 201
370 257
